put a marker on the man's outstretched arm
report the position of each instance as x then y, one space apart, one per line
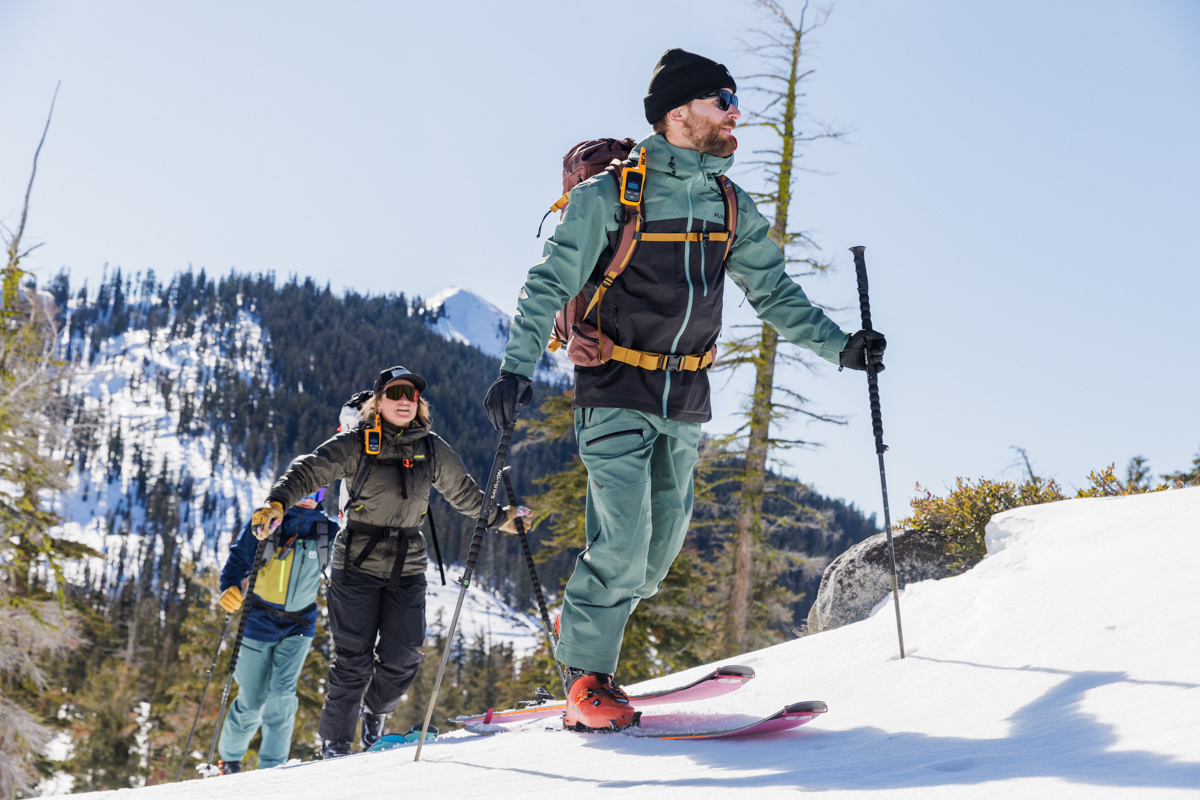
757 266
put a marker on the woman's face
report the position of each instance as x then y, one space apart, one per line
398 412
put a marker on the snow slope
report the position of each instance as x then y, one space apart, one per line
468 318
1064 665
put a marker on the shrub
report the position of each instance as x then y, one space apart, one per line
960 517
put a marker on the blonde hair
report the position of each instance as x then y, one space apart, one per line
423 418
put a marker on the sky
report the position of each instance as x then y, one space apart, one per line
1023 175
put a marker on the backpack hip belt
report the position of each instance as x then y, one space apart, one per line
655 361
299 617
377 534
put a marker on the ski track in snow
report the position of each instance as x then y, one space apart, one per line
1063 666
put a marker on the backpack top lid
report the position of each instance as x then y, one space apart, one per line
592 157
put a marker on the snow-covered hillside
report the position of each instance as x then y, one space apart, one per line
133 395
1064 665
468 318
136 396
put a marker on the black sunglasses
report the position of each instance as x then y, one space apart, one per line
725 98
401 390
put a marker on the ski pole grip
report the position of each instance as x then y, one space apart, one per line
860 272
491 492
864 304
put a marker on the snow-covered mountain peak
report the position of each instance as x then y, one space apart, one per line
464 316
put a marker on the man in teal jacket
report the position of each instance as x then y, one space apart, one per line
639 428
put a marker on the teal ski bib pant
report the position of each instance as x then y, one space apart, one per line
266 675
639 504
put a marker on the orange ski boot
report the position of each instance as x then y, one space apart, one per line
595 703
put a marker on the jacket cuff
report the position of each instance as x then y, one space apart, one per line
519 367
833 347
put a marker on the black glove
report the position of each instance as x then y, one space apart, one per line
861 346
505 396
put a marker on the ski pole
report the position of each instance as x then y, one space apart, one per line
533 577
237 644
491 491
437 550
860 270
211 668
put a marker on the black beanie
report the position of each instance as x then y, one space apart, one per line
679 78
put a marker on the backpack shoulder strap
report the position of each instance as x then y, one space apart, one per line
431 455
729 195
365 462
631 227
322 529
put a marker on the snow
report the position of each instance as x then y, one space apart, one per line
1063 666
472 320
483 614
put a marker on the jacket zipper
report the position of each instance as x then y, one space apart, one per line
687 272
638 431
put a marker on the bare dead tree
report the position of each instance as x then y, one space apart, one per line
781 45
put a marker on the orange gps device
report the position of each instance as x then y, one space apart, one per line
374 437
633 180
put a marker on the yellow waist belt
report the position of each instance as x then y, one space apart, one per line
654 361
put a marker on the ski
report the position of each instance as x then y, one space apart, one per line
720 681
692 726
390 741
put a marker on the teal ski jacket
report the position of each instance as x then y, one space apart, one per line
669 299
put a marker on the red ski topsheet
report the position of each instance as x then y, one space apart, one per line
720 681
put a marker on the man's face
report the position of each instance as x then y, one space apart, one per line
709 128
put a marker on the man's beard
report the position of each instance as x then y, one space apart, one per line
706 136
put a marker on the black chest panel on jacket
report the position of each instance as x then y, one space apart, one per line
668 300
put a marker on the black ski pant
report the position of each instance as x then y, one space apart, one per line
377 635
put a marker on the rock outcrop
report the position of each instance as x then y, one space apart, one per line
862 576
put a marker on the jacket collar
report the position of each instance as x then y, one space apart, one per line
679 162
410 434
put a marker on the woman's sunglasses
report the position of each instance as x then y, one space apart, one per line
401 390
725 98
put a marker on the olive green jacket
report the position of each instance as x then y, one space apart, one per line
395 494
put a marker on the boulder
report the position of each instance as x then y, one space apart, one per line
862 576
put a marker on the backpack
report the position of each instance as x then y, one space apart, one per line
584 342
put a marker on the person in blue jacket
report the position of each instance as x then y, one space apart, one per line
279 631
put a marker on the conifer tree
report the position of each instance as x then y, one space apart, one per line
35 624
